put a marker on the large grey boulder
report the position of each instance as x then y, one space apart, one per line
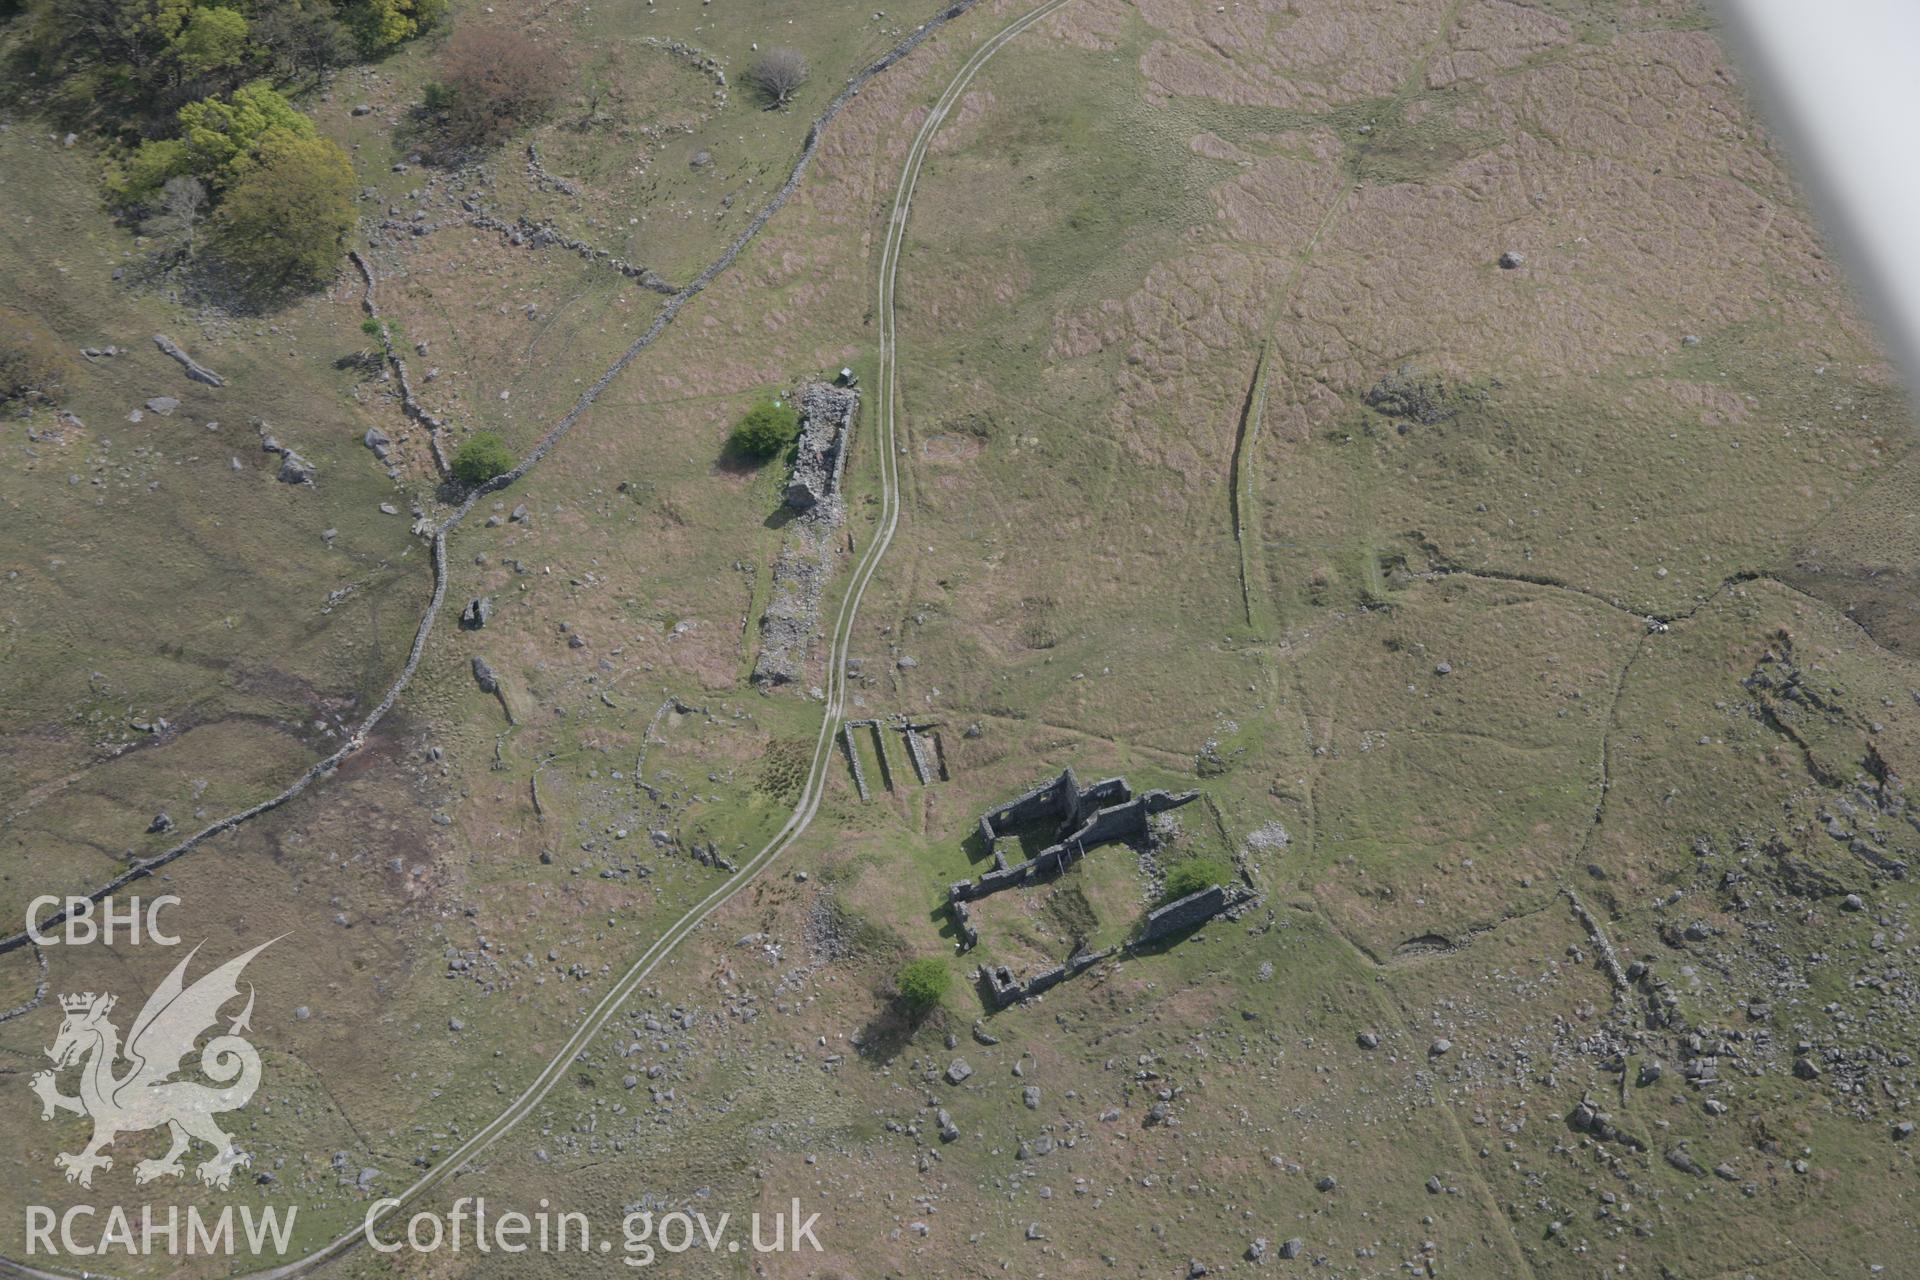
295 469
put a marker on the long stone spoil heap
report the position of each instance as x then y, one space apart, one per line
792 618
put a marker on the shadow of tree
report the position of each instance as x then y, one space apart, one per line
892 1028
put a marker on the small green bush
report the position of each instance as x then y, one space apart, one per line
484 456
766 430
923 982
1193 875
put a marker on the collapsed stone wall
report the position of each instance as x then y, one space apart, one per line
1001 988
544 180
408 402
700 59
800 575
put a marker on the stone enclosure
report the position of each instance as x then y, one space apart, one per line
1082 819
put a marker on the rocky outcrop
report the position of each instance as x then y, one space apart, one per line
294 469
198 372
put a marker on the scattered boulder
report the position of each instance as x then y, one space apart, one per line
1512 259
484 677
295 469
161 823
1677 1157
1440 1046
958 1071
163 405
378 441
1292 1248
477 614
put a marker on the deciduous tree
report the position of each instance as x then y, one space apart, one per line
777 73
284 219
492 81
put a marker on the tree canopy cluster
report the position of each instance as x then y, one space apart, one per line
191 96
128 66
766 429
